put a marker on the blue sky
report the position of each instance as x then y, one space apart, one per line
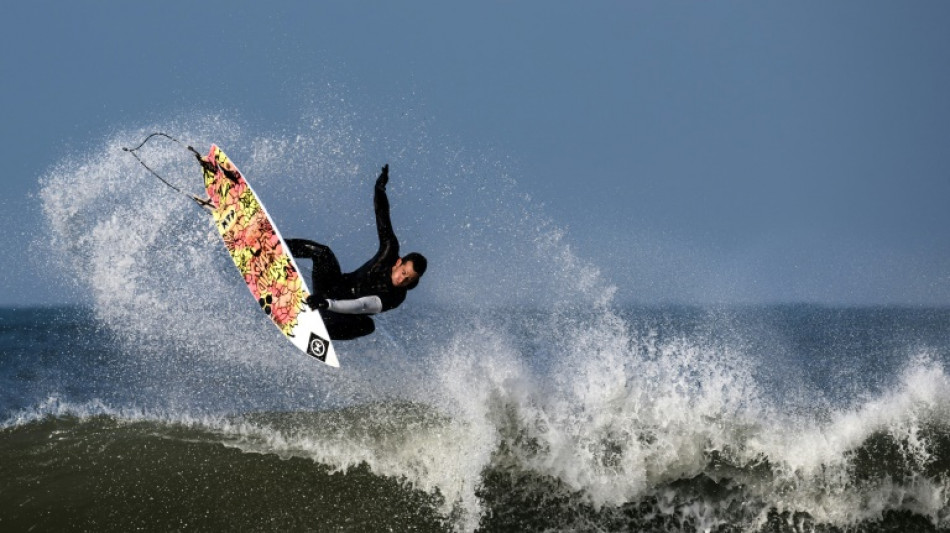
706 152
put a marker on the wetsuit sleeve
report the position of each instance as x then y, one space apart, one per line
388 244
388 251
367 305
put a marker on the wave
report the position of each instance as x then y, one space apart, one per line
400 465
117 474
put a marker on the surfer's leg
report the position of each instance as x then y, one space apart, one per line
326 277
305 249
347 327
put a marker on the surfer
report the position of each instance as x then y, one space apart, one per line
346 301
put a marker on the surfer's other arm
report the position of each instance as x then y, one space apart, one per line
367 305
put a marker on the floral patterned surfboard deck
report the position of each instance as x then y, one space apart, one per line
262 257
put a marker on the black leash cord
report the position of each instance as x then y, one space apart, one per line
201 202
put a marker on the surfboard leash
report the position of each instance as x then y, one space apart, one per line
200 201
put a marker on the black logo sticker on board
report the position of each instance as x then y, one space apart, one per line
317 347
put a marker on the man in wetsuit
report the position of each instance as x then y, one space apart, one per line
345 301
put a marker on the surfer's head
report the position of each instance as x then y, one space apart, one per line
408 269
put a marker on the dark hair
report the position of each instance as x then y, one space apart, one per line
419 264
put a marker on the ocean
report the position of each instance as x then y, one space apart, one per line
512 392
780 418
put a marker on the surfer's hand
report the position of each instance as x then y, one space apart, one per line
317 303
383 178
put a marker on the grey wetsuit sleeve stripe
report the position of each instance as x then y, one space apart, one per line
367 305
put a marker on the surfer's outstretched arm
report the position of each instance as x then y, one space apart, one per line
388 244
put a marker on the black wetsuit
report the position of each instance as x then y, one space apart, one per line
372 279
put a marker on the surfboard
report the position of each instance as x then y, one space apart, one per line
263 259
